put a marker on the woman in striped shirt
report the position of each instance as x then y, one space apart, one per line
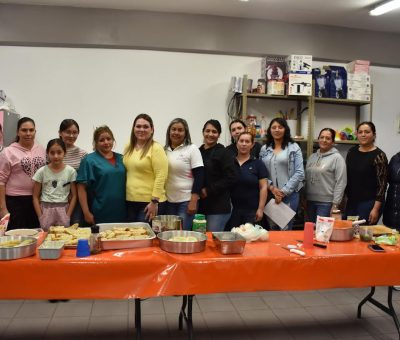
68 132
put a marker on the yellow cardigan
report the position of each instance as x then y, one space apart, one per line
146 177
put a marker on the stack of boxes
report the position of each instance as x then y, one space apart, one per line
299 78
358 80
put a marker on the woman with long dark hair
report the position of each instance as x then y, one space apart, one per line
220 175
147 170
18 163
284 162
367 169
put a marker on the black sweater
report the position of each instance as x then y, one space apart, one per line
219 175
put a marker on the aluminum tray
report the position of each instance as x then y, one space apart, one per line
229 243
51 250
127 244
14 253
182 247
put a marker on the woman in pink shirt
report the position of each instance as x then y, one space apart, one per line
18 163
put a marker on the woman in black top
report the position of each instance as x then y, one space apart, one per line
236 127
367 168
391 211
219 176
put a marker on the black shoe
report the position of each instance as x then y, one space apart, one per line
53 301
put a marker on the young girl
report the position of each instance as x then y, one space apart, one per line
53 184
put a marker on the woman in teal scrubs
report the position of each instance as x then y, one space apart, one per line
101 181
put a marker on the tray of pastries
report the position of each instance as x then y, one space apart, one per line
70 235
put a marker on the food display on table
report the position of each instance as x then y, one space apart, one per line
125 235
69 235
16 247
251 232
182 241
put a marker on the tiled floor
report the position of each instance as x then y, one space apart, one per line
323 314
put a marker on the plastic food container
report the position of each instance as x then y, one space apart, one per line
182 247
229 243
51 250
13 253
127 244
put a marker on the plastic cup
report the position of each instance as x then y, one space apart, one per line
366 234
83 248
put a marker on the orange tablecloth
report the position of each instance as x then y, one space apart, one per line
150 272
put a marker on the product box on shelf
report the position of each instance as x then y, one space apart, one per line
359 77
299 63
358 66
354 91
299 84
322 84
337 81
273 67
364 97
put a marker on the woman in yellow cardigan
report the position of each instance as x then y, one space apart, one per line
146 172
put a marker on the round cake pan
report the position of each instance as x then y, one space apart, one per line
13 253
182 247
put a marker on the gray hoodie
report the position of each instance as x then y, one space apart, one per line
326 177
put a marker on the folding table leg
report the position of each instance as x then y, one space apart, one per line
388 310
138 319
187 300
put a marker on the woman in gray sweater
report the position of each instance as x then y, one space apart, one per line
325 177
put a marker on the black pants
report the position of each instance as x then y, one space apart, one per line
22 213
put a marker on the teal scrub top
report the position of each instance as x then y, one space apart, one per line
105 185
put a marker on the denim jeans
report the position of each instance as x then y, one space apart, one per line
360 209
293 202
217 222
315 209
135 211
180 209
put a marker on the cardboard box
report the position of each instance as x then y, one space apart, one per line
299 84
358 66
299 63
337 81
364 97
321 81
359 77
273 67
358 90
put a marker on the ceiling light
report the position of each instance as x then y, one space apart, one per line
385 7
244 0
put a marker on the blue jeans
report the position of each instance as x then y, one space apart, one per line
360 209
180 209
315 209
217 222
135 211
293 202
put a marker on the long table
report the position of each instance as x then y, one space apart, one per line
151 272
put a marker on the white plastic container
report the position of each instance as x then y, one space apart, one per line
51 250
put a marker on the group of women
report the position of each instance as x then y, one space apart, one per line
229 185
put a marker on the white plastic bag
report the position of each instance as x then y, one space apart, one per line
251 232
324 228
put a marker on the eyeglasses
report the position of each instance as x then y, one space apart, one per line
71 133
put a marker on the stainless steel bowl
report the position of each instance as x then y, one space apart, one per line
13 253
182 247
162 223
342 231
229 243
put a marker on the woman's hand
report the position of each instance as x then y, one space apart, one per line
89 218
192 206
151 211
279 195
203 193
373 216
259 214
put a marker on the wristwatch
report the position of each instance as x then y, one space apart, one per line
154 201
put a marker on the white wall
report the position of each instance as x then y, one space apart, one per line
100 86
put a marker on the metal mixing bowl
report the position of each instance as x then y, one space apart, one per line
13 253
182 247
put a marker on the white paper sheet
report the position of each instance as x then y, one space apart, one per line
280 213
